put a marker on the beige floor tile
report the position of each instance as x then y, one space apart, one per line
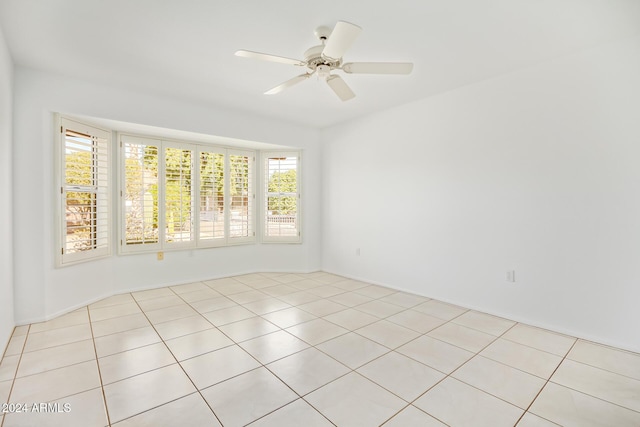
152 293
55 337
461 405
247 297
570 408
387 333
287 278
401 375
404 299
146 391
374 291
8 367
300 297
133 362
605 385
329 278
200 295
326 291
5 388
267 305
161 302
289 317
57 383
19 331
120 324
541 339
189 287
353 400
188 346
279 290
216 283
607 358
507 383
212 368
416 321
379 308
249 328
168 314
127 340
307 370
114 300
530 420
351 319
528 359
350 285
440 309
183 326
322 307
305 284
104 313
70 319
316 331
50 358
461 336
413 417
188 411
16 345
228 315
84 409
352 349
350 299
437 354
484 322
273 346
297 413
247 397
213 304
232 288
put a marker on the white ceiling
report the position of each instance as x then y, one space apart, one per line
184 48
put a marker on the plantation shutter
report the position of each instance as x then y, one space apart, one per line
240 196
282 197
178 196
211 202
85 228
140 193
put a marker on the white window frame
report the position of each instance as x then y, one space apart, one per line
265 155
196 241
102 191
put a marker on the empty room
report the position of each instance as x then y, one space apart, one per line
328 213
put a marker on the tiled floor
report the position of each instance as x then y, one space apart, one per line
307 350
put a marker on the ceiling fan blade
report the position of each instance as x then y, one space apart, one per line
341 89
341 39
378 67
267 57
287 84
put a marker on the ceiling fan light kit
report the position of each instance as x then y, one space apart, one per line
327 57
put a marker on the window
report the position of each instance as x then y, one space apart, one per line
282 197
84 190
184 195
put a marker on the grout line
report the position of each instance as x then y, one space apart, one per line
95 350
15 374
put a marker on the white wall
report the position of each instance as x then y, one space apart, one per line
6 194
536 171
42 290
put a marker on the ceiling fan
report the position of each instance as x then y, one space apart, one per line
327 57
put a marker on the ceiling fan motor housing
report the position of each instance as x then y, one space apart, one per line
313 57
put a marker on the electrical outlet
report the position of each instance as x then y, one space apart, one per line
511 276
160 256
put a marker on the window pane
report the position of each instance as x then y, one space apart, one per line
211 196
79 159
80 216
141 193
241 196
282 197
178 202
